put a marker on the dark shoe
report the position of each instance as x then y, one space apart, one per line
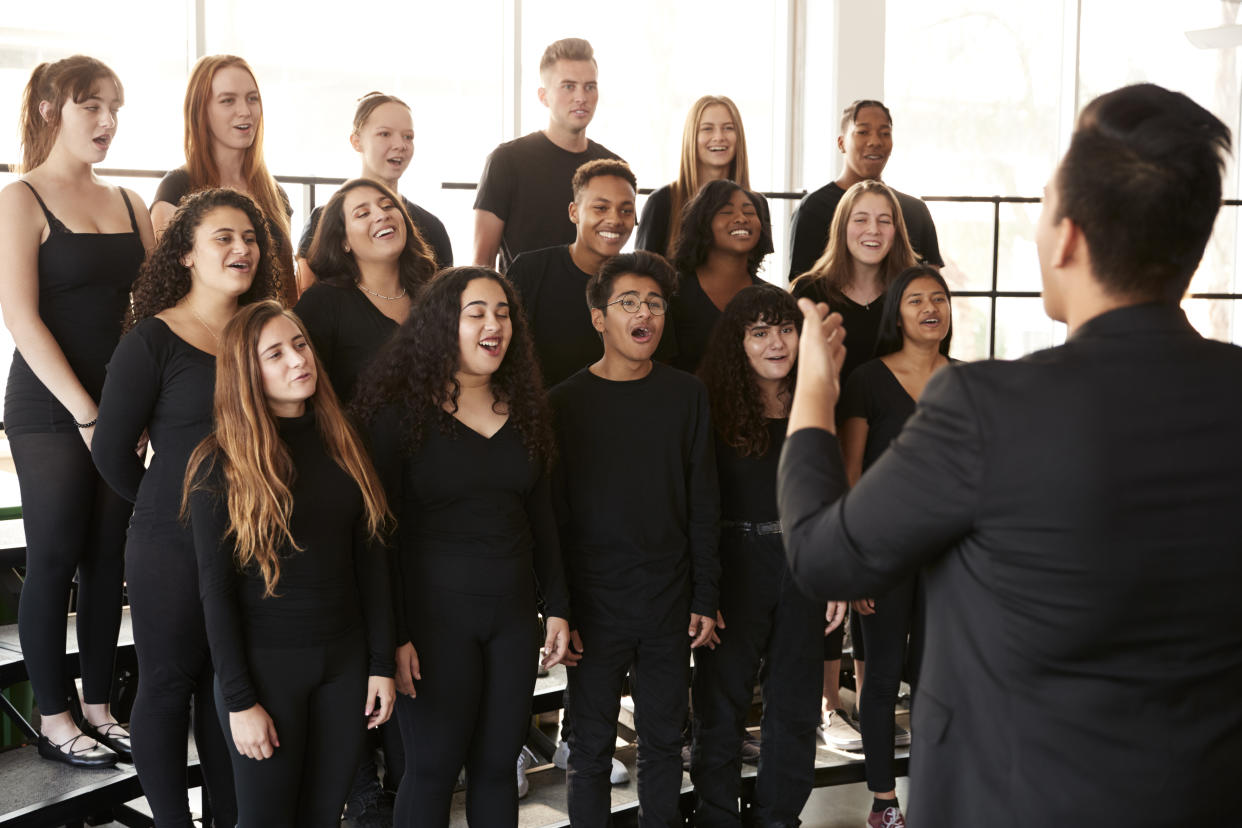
118 744
94 757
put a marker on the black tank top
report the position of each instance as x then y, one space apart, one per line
84 283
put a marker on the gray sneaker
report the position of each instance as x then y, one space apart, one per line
525 761
840 732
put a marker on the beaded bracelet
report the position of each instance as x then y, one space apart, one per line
86 425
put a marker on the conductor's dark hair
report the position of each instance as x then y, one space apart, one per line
889 338
638 263
1142 180
696 239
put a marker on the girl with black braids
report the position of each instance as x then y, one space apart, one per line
214 256
765 623
462 440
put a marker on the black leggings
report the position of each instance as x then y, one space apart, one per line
315 696
477 657
898 615
174 671
74 523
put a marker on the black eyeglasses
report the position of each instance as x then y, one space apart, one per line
630 304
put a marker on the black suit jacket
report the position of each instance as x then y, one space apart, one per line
1078 514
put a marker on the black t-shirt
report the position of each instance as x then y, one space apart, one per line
346 329
553 291
429 227
861 322
637 499
812 222
474 515
334 584
748 483
692 315
527 184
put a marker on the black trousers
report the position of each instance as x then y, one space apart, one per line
660 665
477 657
315 696
898 616
174 675
74 523
772 628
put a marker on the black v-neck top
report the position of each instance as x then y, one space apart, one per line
346 329
84 282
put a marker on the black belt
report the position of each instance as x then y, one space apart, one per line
772 527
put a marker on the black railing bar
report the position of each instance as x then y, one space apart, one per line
995 274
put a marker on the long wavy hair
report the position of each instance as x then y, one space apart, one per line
73 78
415 373
732 389
687 184
201 166
834 269
328 259
889 338
163 280
697 239
255 464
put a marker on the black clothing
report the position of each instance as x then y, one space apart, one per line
159 383
874 394
692 316
175 185
429 227
812 222
474 518
644 447
346 329
861 322
652 233
638 507
74 523
553 291
1046 500
526 183
298 653
770 628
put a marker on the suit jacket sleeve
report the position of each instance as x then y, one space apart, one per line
913 504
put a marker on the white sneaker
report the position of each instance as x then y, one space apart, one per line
618 775
525 761
839 732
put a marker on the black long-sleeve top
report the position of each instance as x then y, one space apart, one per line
336 583
346 329
474 515
158 382
638 499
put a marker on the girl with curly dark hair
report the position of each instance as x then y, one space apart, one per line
214 256
765 623
462 440
725 234
372 262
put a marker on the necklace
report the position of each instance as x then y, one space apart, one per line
214 335
366 289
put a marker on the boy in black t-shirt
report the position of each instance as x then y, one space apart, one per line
552 281
520 204
638 507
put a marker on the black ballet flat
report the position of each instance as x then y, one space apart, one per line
118 744
93 757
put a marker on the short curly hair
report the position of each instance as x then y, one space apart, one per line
164 281
696 241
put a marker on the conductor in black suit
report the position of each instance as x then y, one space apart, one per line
1077 513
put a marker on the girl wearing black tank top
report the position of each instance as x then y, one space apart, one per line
765 624
70 247
213 257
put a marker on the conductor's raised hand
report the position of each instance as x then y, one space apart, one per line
821 350
254 733
407 670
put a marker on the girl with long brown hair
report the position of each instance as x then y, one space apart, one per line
70 247
214 257
288 517
224 148
713 148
